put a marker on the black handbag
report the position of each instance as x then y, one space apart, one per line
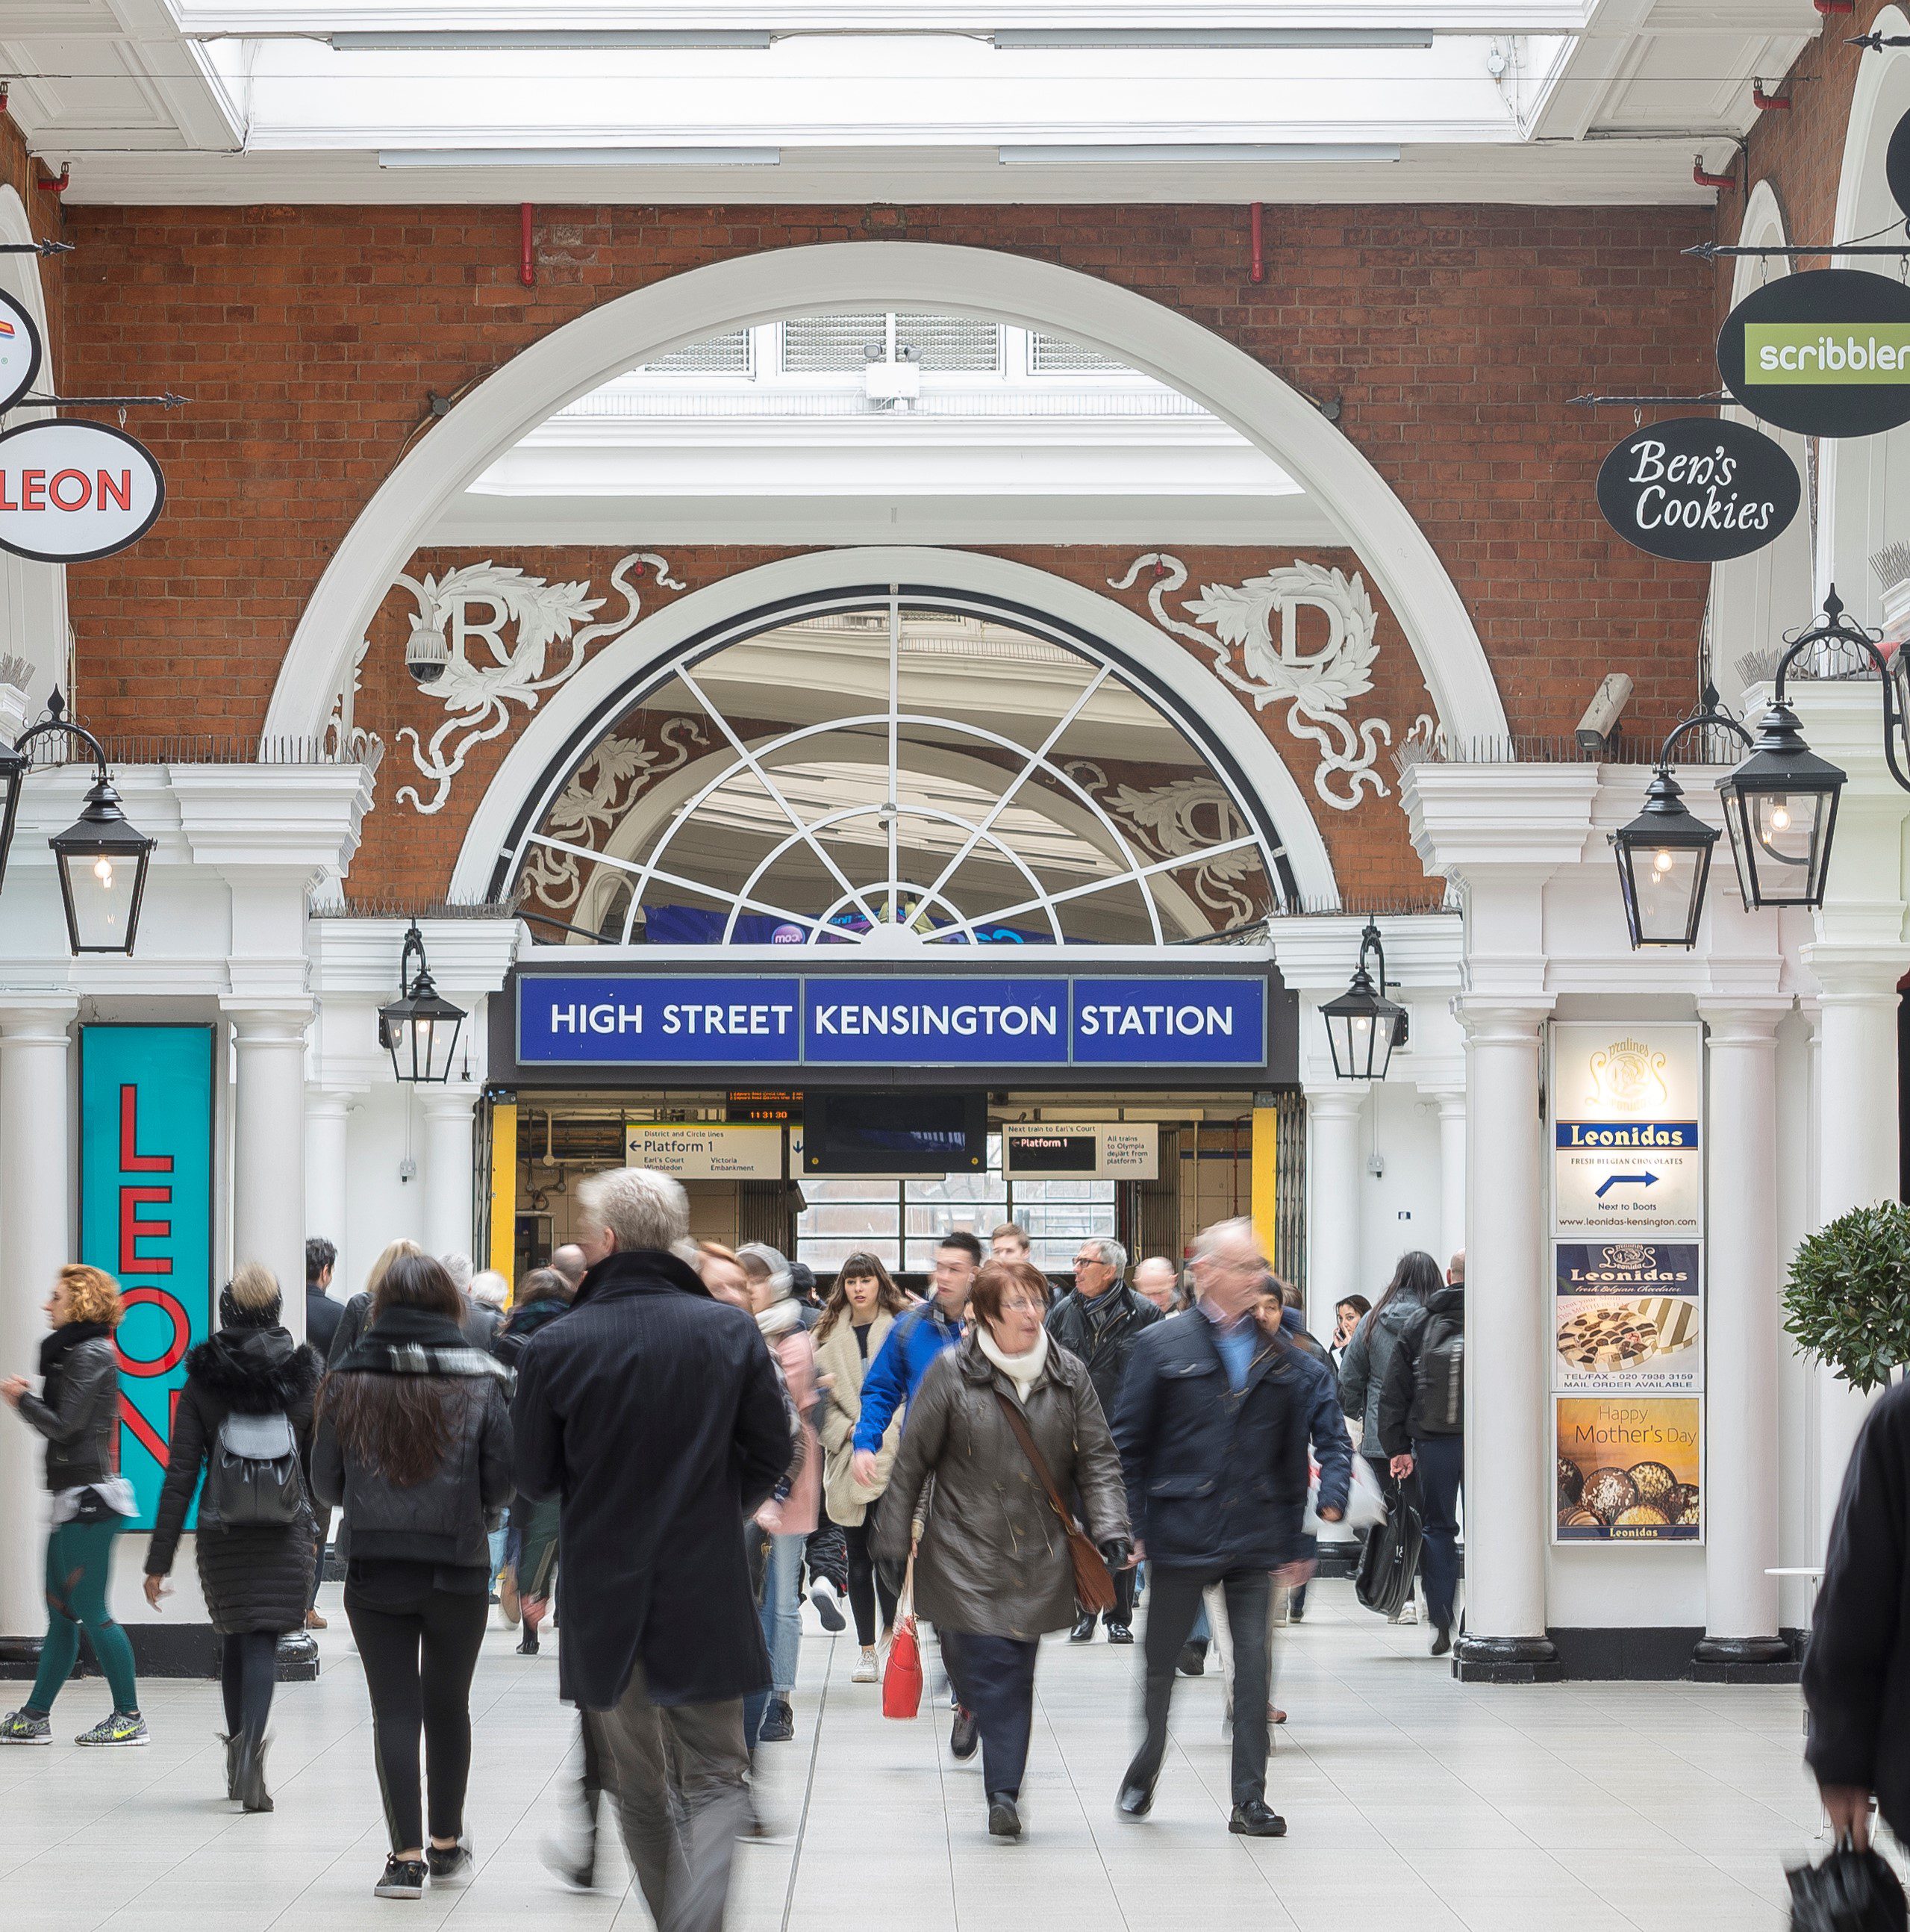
1391 1560
1848 1891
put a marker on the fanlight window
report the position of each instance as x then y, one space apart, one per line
900 777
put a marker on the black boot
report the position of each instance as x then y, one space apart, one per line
231 1763
1083 1630
251 1792
1004 1816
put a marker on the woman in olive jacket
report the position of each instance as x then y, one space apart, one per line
257 1579
992 1567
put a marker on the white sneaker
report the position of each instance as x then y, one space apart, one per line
1409 1612
828 1601
864 1670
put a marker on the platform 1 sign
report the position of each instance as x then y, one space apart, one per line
145 1217
1627 1157
713 1152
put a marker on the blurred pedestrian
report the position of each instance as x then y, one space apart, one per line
244 1419
652 1411
1157 1280
863 1307
77 1410
992 1570
1212 1429
413 1438
917 1338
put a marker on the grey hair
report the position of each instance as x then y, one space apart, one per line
254 1285
641 1208
1110 1252
489 1288
1239 1227
757 1255
458 1267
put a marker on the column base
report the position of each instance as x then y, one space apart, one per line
1506 1660
298 1657
20 1656
1744 1660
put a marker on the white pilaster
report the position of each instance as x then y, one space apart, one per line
1333 1197
268 1147
326 1165
448 1209
36 1239
1741 1338
1452 1173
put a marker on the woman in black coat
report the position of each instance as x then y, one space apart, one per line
531 1550
257 1580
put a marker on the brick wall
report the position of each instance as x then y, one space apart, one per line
1372 859
18 171
308 338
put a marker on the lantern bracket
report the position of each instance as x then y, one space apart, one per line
1835 629
56 720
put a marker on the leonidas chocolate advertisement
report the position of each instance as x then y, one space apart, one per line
1627 1320
1629 1469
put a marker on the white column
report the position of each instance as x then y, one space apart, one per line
448 1111
326 1162
1508 1478
1856 1147
1741 1331
36 1239
1332 1198
1452 1174
268 1148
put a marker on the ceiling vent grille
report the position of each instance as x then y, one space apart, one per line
1056 355
728 354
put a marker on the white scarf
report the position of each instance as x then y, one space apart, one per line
780 1317
1023 1371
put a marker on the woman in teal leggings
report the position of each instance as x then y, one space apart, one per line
78 1412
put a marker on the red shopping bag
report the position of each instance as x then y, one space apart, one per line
901 1675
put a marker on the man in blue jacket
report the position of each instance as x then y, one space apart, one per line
1212 1425
915 1341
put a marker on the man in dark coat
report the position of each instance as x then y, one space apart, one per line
1101 1321
1212 1427
655 1413
1857 1671
323 1315
1421 1429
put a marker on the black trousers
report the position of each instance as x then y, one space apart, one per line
866 1586
1173 1602
1439 1462
417 1661
994 1677
825 1555
248 1667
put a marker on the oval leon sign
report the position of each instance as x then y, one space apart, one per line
1825 353
19 351
1698 491
69 491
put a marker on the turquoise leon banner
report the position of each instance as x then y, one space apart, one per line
145 1216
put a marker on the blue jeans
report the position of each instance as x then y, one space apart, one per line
1439 1462
782 1626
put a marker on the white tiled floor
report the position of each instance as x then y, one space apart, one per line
1411 1800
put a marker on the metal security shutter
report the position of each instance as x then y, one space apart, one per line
949 341
814 343
1056 355
1289 1205
718 355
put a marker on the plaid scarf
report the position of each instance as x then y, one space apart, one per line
414 1342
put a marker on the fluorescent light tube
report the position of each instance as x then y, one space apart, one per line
578 157
479 40
1189 152
1087 39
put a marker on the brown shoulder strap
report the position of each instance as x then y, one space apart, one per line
1019 1423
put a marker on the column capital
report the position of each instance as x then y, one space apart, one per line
1337 1100
1845 972
1491 1022
1743 1022
43 1019
268 1026
444 1100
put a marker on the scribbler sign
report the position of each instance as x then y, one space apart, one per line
145 1216
72 491
1825 353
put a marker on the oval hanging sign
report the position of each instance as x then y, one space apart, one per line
19 351
69 491
1897 164
1698 491
1826 352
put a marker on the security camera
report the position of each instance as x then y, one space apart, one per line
426 652
1600 722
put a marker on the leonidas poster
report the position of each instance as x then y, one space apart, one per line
1628 1319
1629 1469
1626 1105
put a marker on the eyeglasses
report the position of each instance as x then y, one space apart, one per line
1022 1305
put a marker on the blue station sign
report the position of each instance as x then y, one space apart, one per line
603 1019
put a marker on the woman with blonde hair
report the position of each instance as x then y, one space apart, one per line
245 1417
861 1309
356 1317
77 1410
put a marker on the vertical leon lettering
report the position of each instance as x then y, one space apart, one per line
131 1161
134 1228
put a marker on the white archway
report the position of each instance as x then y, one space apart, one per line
835 276
560 729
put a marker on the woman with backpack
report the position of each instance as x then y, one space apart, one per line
244 1418
861 1310
413 1437
77 1410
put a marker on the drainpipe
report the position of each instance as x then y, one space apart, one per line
526 262
1258 273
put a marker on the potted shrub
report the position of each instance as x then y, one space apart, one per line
1847 1300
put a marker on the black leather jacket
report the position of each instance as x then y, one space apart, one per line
1103 1340
79 1414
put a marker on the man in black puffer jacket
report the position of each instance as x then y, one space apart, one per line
1100 1322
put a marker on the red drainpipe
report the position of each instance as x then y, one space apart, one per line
1258 271
526 262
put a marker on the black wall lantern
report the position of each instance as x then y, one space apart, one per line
1665 854
103 860
419 1028
1363 1025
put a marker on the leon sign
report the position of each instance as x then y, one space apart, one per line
69 491
19 351
1825 353
1698 492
